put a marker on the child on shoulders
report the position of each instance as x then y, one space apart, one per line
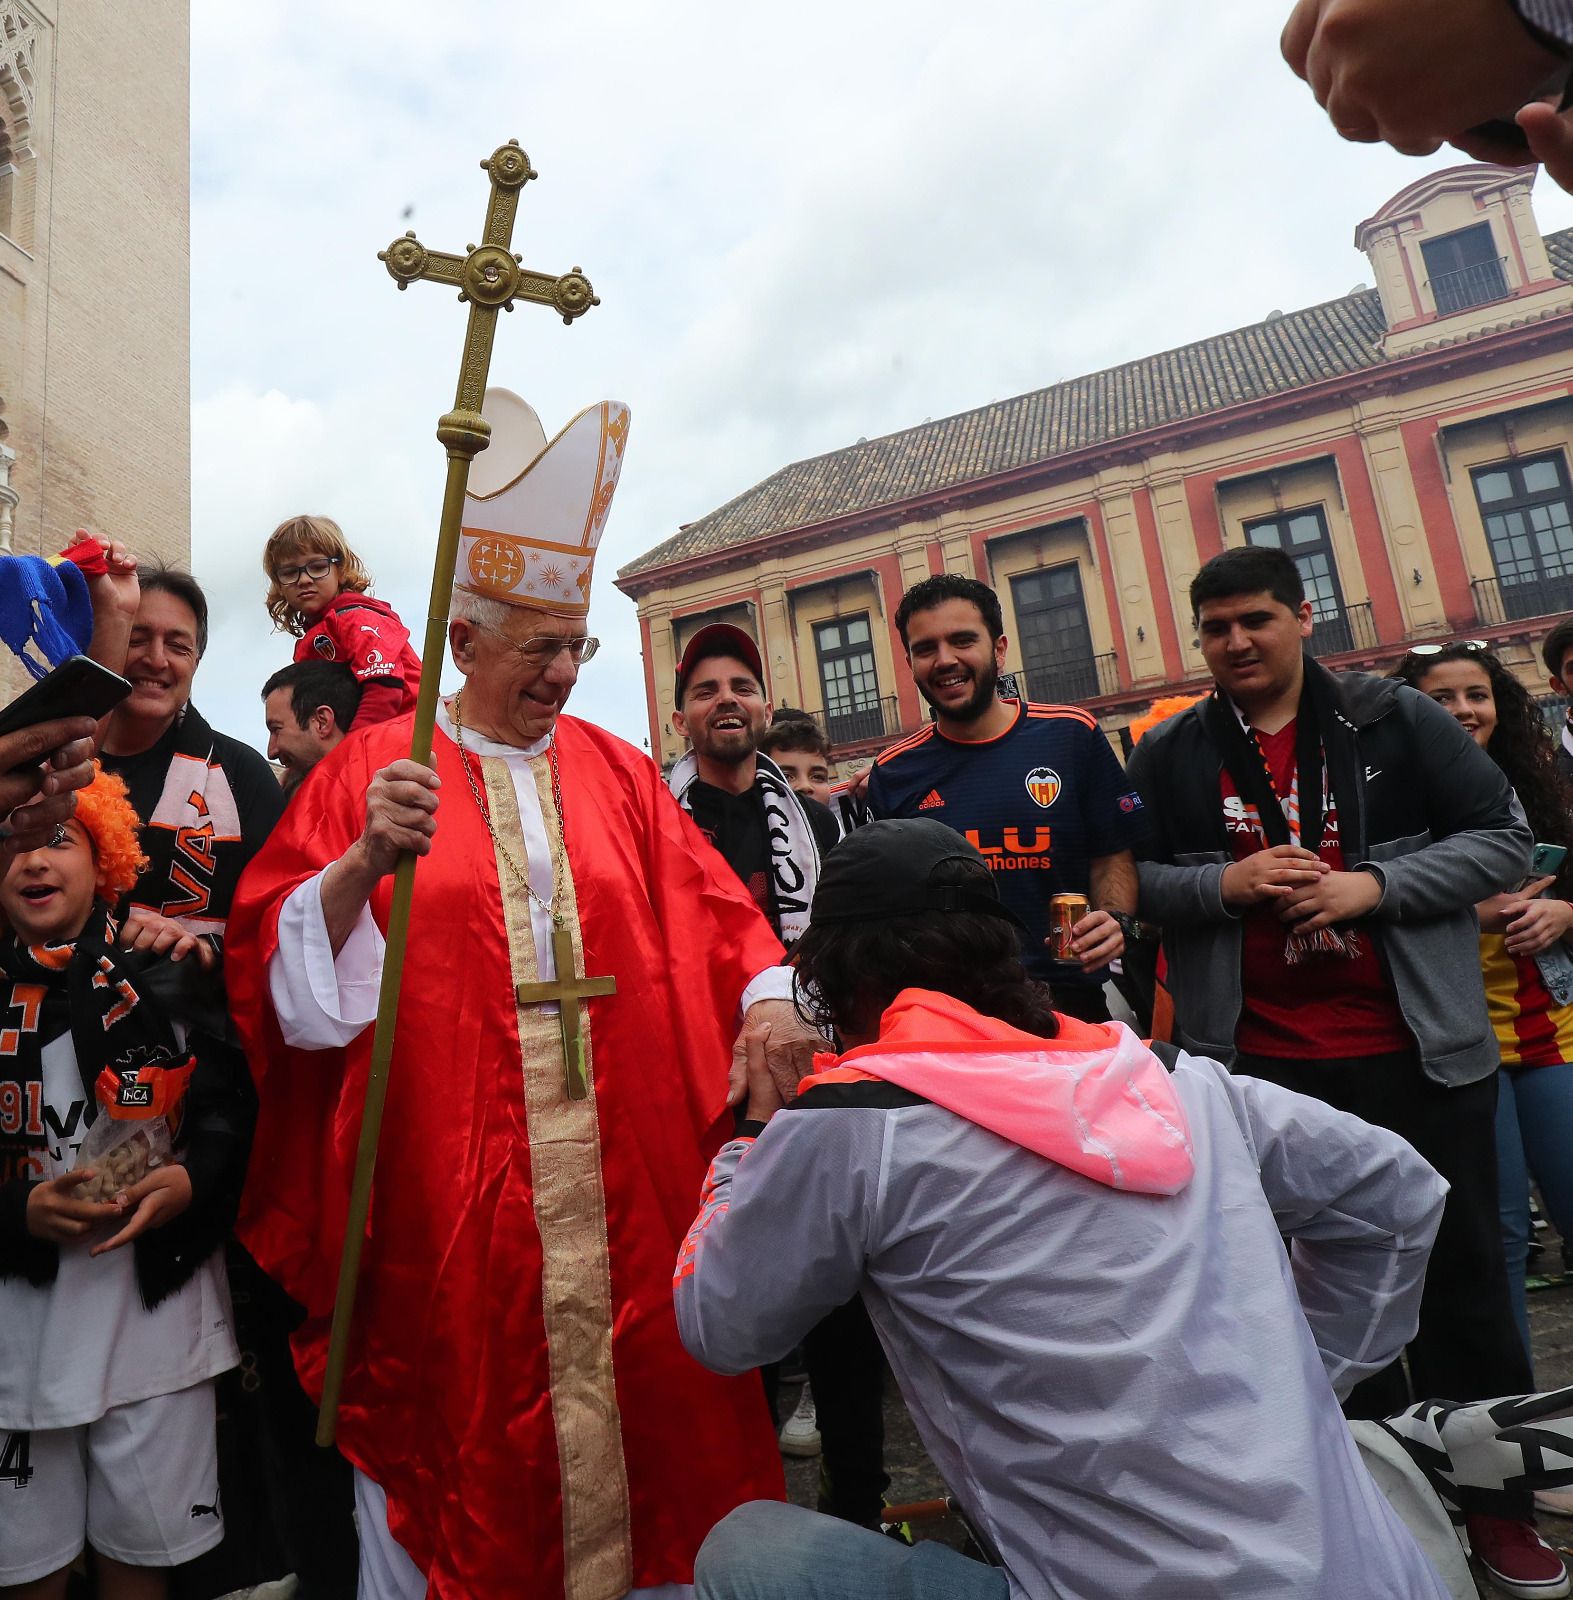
317 590
108 1354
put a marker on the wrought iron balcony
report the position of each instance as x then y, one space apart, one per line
1478 285
1351 629
854 724
1511 599
1070 682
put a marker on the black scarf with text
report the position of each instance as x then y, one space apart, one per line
83 987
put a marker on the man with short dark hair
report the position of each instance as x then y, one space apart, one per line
308 707
1557 653
1036 788
1317 846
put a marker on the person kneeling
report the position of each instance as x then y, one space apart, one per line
125 1121
1074 1261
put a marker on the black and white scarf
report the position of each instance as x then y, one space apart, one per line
794 851
1481 1456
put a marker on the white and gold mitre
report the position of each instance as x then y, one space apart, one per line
535 512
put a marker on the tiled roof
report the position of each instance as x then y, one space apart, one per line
1253 363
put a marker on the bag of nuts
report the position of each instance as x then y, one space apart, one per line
134 1133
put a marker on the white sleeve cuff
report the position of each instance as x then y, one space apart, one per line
323 1002
774 983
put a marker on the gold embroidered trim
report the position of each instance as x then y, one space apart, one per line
570 1215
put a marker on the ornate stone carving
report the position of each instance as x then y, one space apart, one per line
18 36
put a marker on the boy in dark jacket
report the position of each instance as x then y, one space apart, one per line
1316 848
107 1427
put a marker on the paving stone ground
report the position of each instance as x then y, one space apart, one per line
913 1477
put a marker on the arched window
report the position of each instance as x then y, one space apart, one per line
18 35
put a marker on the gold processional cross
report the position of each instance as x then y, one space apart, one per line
489 278
568 992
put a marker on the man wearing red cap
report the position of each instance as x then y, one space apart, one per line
515 1359
772 837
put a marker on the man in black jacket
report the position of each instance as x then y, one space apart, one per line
1316 847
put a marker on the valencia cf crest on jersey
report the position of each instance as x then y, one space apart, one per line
1043 784
323 645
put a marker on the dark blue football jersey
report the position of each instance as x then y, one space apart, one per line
1040 801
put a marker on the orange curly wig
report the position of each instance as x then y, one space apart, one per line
1160 711
104 811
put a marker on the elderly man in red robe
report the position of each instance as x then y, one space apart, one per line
518 1407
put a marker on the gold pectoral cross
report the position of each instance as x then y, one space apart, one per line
568 992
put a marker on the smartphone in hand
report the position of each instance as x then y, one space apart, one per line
78 687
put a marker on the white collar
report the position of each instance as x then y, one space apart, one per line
479 746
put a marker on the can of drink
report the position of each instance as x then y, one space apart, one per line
1065 911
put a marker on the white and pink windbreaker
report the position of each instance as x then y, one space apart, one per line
1075 1262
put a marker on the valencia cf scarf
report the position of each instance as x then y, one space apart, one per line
192 839
1322 781
83 987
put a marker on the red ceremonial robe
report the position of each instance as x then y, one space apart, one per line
449 1396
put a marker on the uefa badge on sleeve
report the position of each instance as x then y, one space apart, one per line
1043 784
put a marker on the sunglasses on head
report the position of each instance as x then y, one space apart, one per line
1423 650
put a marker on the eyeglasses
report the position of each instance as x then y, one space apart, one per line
542 649
1457 644
316 569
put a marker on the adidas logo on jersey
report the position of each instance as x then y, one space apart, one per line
931 800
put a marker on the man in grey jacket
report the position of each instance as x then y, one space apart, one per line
1316 849
1074 1262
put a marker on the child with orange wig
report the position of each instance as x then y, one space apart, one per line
109 1355
318 590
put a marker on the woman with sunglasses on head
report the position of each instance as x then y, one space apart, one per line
318 590
1524 951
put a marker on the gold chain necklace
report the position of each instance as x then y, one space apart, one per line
548 906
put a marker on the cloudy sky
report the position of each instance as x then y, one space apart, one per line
805 223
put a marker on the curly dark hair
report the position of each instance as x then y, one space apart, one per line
848 972
1520 744
931 593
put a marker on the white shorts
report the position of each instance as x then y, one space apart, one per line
140 1485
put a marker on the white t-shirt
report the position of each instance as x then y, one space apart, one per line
75 1348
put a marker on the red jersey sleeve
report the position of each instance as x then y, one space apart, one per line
370 643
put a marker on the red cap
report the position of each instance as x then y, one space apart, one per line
719 639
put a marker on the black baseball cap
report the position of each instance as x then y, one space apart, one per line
719 639
885 870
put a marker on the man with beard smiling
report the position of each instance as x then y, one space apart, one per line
1035 788
771 837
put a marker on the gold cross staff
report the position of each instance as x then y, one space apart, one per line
569 991
489 277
